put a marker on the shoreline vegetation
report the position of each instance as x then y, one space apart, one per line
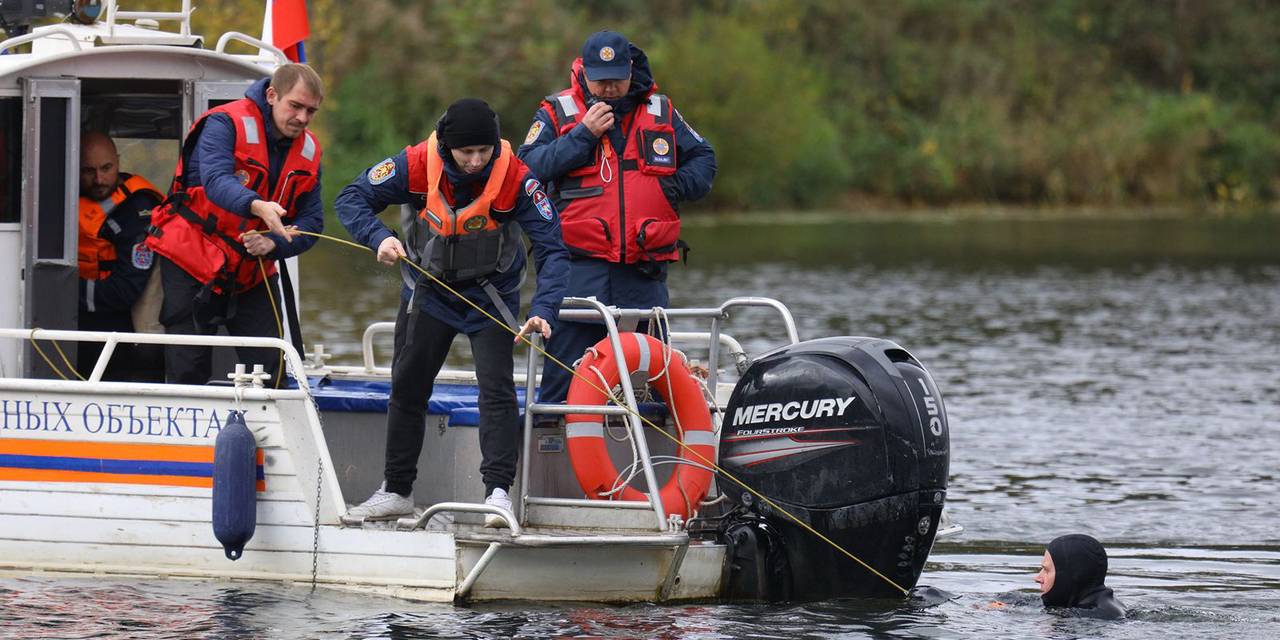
891 107
979 212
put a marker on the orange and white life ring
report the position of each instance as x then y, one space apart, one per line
591 463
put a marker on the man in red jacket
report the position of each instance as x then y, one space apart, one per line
618 160
246 166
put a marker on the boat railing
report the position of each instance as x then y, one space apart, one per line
183 17
293 362
592 310
42 33
369 362
717 315
262 45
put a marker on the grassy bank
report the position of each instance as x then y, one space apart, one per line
1075 105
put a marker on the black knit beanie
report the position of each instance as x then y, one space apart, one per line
468 122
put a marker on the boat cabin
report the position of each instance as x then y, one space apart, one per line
125 77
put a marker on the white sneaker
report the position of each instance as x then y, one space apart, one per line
498 499
383 505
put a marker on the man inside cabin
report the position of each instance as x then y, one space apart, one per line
472 197
247 181
618 160
115 262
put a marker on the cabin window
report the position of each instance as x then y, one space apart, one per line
52 188
146 127
10 159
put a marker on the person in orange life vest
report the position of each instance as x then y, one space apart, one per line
472 197
247 168
618 159
115 263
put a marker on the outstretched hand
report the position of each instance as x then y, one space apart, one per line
535 325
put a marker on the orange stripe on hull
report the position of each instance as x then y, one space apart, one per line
110 450
199 454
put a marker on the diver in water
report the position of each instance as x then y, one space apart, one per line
1072 574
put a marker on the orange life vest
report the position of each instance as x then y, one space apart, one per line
469 242
202 237
614 208
97 249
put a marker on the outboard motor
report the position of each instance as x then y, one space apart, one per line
850 436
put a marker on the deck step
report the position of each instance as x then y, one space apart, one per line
599 515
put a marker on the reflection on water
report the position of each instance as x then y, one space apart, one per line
1115 378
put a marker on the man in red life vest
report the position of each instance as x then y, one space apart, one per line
115 263
472 198
248 168
618 159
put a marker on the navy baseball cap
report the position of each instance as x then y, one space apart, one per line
606 56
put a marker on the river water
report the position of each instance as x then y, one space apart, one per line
1115 377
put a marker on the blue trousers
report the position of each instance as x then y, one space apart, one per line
614 284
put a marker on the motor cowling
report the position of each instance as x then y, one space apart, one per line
850 436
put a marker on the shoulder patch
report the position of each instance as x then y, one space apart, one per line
535 130
382 171
541 201
531 185
141 256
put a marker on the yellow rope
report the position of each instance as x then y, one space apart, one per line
53 367
70 368
646 421
275 312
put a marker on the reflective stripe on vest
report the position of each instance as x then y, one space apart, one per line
613 208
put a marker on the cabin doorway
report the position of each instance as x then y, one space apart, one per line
39 182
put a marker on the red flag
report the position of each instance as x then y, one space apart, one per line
289 27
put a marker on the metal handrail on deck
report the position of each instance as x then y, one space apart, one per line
293 361
599 310
369 361
42 33
716 314
592 310
183 18
248 39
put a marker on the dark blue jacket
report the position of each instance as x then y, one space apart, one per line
114 296
553 156
359 203
213 165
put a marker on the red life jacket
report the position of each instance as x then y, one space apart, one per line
201 237
616 210
97 252
465 243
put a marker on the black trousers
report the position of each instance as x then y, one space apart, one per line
131 362
421 345
251 315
